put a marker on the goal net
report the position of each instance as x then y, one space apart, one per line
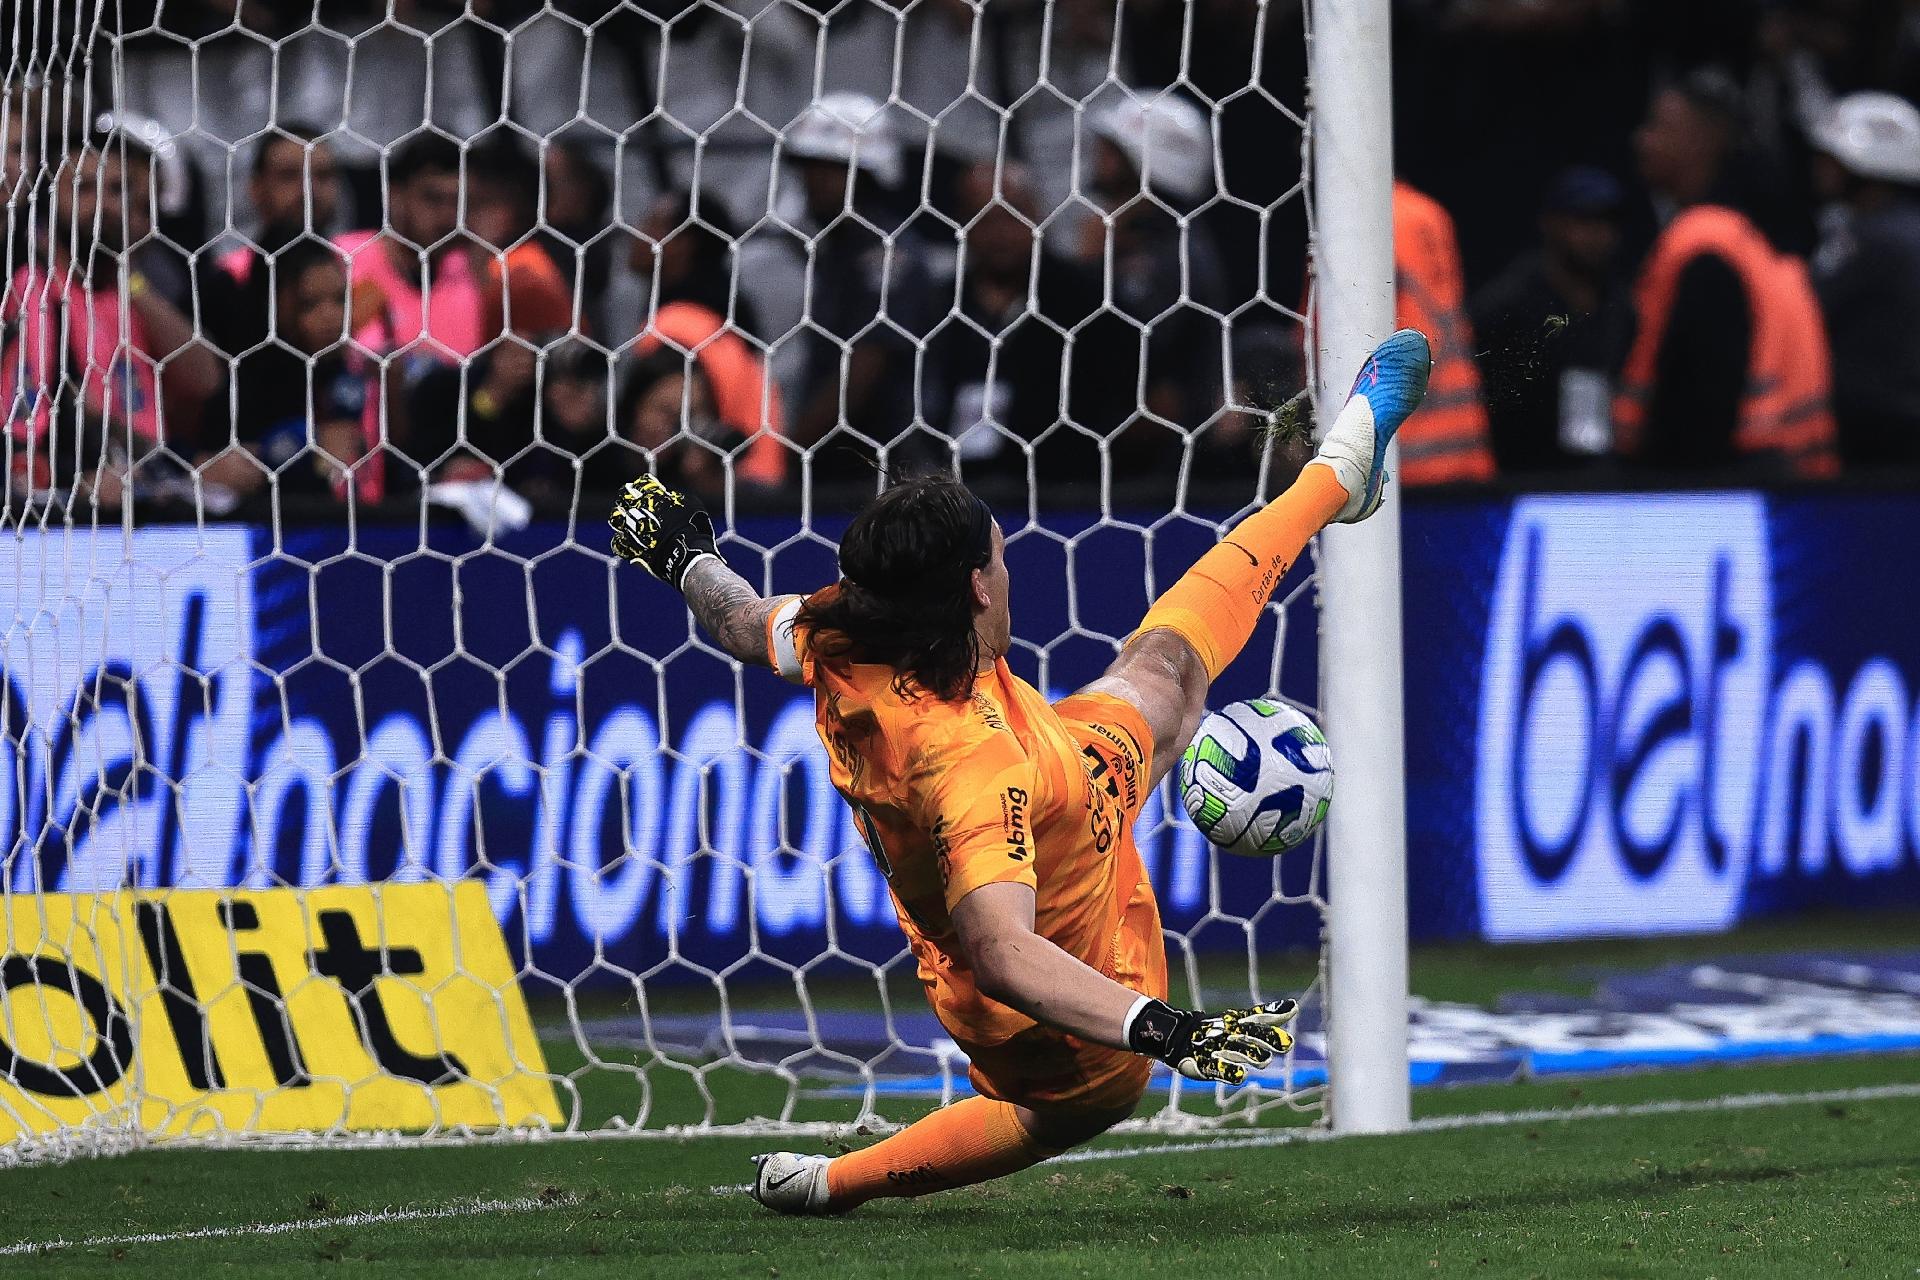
350 790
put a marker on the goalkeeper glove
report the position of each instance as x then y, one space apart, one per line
662 530
1212 1046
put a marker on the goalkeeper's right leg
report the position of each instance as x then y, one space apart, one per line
1041 1093
1205 619
967 1142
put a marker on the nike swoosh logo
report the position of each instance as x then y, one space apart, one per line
1251 558
774 1186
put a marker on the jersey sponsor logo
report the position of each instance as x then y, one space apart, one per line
1124 784
272 1010
1013 823
990 713
1100 824
942 849
1622 715
870 834
1089 778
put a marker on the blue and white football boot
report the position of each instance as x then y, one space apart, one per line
1390 387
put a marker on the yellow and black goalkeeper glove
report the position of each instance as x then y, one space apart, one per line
1212 1046
660 529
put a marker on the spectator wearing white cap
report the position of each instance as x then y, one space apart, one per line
164 216
869 297
1163 144
1152 163
1867 273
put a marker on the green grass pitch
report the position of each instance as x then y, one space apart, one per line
1801 1188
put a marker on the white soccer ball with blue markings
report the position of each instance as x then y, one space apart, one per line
1257 778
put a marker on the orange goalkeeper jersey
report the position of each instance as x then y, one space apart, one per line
950 796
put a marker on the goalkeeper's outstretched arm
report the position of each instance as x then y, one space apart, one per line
1019 968
671 537
729 609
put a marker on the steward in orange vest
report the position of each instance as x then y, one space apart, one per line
1784 411
1446 442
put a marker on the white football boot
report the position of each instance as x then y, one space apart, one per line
790 1183
1390 387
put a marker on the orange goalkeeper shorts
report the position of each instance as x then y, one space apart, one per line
1049 1070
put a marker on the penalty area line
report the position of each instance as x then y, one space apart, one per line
365 1218
1479 1120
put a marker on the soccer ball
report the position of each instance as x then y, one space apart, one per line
1257 778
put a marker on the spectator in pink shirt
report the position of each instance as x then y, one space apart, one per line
483 419
418 303
294 186
295 189
99 371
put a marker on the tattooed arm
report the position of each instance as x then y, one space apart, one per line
730 610
670 535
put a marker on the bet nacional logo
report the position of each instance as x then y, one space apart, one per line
1622 714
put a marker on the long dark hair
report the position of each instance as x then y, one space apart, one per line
906 587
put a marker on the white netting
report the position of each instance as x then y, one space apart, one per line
327 333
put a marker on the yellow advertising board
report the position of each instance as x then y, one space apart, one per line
275 1010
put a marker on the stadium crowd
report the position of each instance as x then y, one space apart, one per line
358 255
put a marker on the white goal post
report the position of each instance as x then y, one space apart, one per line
1352 177
351 793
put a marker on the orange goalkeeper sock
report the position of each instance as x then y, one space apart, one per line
1217 603
970 1141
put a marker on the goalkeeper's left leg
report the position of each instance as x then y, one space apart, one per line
1206 618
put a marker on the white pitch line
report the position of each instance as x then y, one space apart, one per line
371 1217
1497 1119
1480 1120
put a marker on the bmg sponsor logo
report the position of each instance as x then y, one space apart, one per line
1013 820
1622 715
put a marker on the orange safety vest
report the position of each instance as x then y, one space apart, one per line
1446 441
1786 408
744 397
526 279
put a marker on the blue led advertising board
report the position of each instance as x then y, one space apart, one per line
1625 714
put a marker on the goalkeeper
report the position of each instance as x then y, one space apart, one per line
1003 823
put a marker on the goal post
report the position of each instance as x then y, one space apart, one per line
1361 670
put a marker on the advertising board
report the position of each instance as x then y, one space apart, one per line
1626 714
